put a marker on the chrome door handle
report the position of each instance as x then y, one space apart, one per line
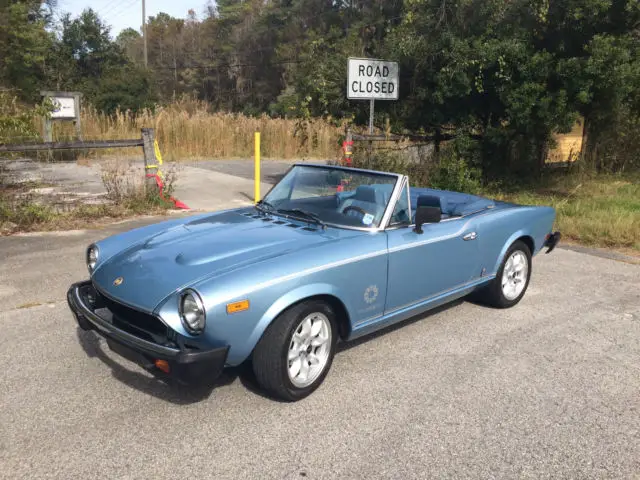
470 236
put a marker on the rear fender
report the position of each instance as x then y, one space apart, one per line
508 243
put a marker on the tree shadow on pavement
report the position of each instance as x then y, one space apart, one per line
150 384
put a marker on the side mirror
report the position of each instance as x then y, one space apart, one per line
426 215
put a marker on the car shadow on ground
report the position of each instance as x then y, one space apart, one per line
167 390
344 346
245 373
150 384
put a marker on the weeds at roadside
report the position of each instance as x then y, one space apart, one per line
127 195
594 210
599 210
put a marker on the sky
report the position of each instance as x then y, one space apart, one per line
121 14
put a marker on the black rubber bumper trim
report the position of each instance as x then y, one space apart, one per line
552 241
188 366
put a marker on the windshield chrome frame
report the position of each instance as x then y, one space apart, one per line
401 180
393 200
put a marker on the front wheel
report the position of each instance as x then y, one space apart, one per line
512 280
295 353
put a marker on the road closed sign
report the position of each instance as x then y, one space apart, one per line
370 79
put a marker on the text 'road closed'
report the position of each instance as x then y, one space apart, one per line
372 79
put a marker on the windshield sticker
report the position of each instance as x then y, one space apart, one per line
367 219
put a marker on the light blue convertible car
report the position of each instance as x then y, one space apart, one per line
330 254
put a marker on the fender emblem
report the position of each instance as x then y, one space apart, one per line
118 281
371 294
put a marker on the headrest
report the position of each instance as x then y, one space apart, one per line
365 193
432 201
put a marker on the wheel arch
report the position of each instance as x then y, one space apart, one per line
528 241
520 235
339 308
323 292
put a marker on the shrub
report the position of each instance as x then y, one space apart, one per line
454 173
446 170
17 121
126 188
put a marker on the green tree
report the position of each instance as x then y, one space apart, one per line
126 88
85 58
513 73
501 77
130 41
24 43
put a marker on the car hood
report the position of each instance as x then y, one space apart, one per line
182 255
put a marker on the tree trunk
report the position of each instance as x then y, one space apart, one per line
588 152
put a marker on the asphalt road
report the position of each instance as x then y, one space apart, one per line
550 388
271 170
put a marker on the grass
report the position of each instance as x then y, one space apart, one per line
22 210
28 216
188 130
601 211
592 210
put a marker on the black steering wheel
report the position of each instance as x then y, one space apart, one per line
355 209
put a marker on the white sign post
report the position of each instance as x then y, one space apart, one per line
66 106
370 79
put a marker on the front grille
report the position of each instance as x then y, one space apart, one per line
135 322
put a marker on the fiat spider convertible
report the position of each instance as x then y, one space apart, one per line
330 254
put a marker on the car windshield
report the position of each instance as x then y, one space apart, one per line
333 196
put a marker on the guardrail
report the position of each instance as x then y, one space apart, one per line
76 145
146 141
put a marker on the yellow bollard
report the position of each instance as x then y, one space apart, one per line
257 168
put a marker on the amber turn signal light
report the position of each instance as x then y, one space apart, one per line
162 365
238 306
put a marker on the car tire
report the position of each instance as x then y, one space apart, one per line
512 279
295 353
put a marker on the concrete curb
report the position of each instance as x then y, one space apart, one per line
602 253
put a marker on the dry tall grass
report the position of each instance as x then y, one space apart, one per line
600 210
186 129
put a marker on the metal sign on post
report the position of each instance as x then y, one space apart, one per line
66 106
371 79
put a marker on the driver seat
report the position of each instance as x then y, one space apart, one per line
364 198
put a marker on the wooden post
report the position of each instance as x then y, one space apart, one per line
150 161
77 96
47 130
348 148
47 135
372 104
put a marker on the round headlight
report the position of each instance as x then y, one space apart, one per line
192 312
92 257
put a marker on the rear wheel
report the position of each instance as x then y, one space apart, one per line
295 353
512 280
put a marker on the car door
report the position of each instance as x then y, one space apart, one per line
424 266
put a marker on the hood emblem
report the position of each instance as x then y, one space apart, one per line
118 281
